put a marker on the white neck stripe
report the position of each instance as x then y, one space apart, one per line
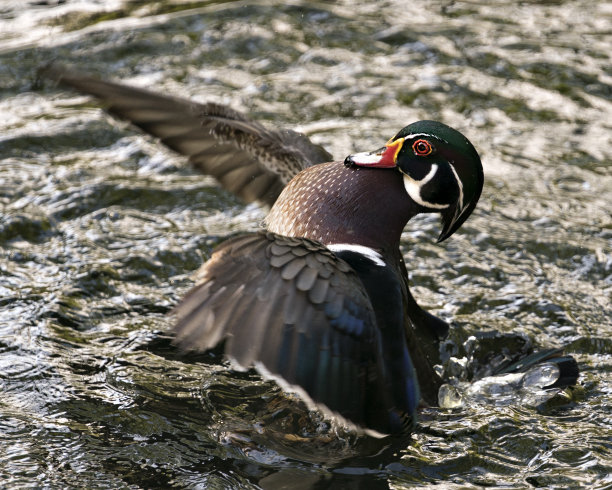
367 252
460 184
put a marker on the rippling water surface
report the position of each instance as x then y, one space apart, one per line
101 228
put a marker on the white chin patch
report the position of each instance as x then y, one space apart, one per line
367 252
413 188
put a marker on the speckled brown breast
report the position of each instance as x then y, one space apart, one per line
335 204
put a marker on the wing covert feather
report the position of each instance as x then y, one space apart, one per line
327 347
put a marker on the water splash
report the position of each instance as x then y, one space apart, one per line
505 389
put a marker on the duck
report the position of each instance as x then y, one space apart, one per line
317 300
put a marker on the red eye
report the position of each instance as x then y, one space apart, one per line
422 148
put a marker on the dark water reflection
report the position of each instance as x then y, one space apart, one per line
100 229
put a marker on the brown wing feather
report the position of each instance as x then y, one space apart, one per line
218 140
255 292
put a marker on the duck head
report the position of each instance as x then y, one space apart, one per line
440 168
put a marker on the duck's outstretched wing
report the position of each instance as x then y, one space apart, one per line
247 159
299 314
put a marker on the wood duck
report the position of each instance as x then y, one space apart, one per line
319 299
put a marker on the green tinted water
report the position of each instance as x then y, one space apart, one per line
101 228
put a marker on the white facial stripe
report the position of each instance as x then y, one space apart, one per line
413 188
425 135
367 252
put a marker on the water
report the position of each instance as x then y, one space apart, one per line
101 228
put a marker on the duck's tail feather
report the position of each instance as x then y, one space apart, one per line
567 365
